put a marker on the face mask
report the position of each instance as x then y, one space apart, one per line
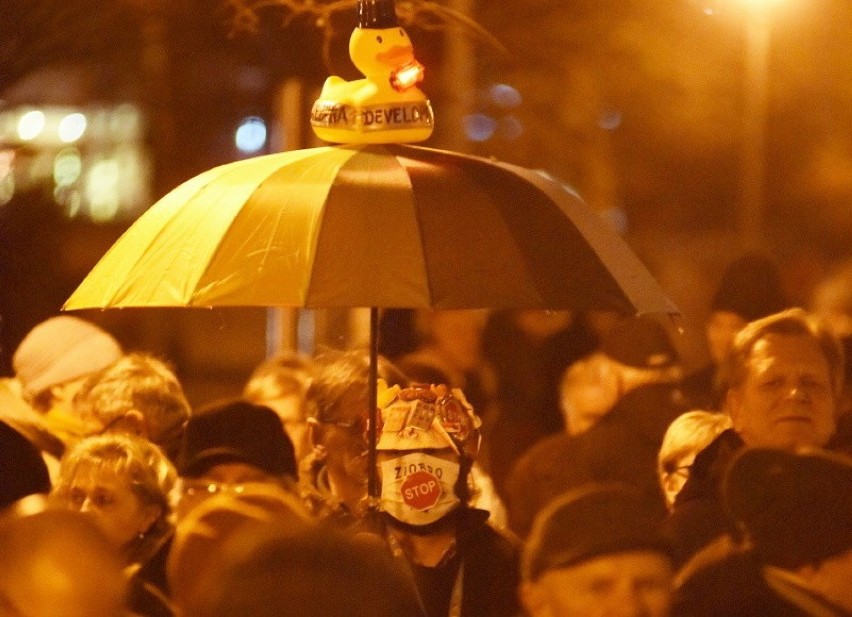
418 489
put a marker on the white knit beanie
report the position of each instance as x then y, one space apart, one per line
61 349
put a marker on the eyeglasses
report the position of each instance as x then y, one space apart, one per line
671 468
207 488
358 426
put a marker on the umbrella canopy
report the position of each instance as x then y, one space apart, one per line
371 226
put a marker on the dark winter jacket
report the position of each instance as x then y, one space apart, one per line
623 446
739 585
490 574
699 516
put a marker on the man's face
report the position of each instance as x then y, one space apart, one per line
786 400
631 584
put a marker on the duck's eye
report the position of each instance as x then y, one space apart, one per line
378 39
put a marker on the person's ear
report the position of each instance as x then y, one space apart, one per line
135 424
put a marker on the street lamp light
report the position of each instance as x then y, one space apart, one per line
750 227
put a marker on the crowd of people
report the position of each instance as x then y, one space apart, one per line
546 464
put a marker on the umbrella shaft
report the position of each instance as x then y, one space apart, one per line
372 480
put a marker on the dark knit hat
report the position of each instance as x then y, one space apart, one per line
751 288
236 431
22 469
641 342
377 14
589 522
795 508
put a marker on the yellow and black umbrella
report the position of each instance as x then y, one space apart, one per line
371 226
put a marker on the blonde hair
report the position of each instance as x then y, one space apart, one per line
791 322
690 432
142 464
282 375
141 382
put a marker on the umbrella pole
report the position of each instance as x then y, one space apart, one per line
372 483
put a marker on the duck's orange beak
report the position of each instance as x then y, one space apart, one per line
396 55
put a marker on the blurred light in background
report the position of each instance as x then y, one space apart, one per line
72 127
105 177
610 120
30 125
505 96
760 4
126 120
7 178
479 127
250 137
67 167
101 190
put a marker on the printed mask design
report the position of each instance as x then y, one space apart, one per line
418 488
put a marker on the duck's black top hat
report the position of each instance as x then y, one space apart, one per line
377 14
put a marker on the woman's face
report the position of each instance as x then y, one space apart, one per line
108 499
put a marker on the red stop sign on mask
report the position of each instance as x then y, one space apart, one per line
421 490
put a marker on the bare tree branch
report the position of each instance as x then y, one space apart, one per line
423 14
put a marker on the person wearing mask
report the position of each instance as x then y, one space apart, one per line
461 566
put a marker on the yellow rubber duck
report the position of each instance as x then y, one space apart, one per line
386 106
